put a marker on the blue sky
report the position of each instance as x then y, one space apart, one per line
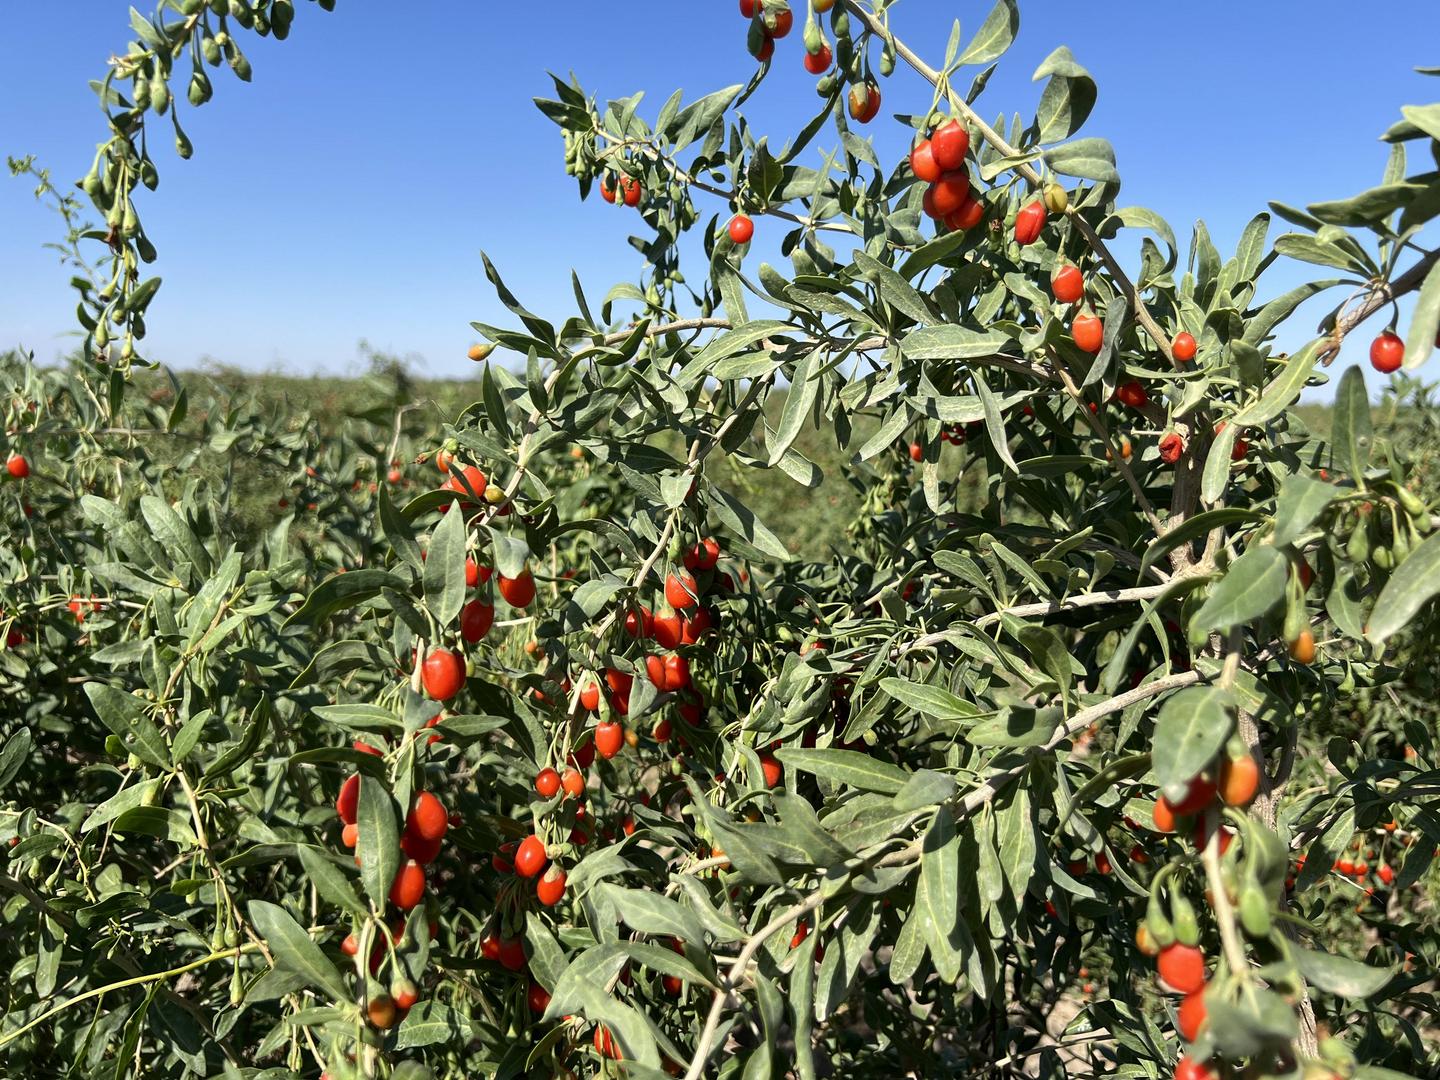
347 192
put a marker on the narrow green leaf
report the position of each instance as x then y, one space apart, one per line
930 700
848 767
294 951
378 847
444 575
1253 585
1192 727
1413 584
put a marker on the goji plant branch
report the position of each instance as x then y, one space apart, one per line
1025 169
139 980
1376 297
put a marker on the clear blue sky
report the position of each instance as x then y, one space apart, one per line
347 192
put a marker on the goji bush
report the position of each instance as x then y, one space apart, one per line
520 744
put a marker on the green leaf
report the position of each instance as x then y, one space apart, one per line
652 913
125 799
341 591
1088 159
1067 98
996 34
930 700
1191 729
427 1023
894 289
925 788
14 754
1302 500
741 520
378 847
1194 528
937 895
294 951
1016 726
1424 321
444 575
1338 975
1351 434
951 343
994 420
740 339
1283 389
330 881
169 530
1216 476
804 386
1253 585
125 715
847 767
1413 584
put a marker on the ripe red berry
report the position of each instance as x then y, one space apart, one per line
917 452
668 673
404 993
609 738
1028 223
747 8
630 188
408 888
1183 347
530 856
1088 332
350 835
1171 447
547 783
703 555
693 628
590 697
1192 1016
641 625
18 467
443 674
1199 795
949 193
471 481
864 102
970 214
476 618
518 591
1067 284
950 144
573 782
1181 968
1387 352
511 954
550 888
348 803
1133 394
923 163
607 189
605 1043
681 592
784 20
773 770
428 817
741 229
666 630
537 997
1187 1068
417 847
818 62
